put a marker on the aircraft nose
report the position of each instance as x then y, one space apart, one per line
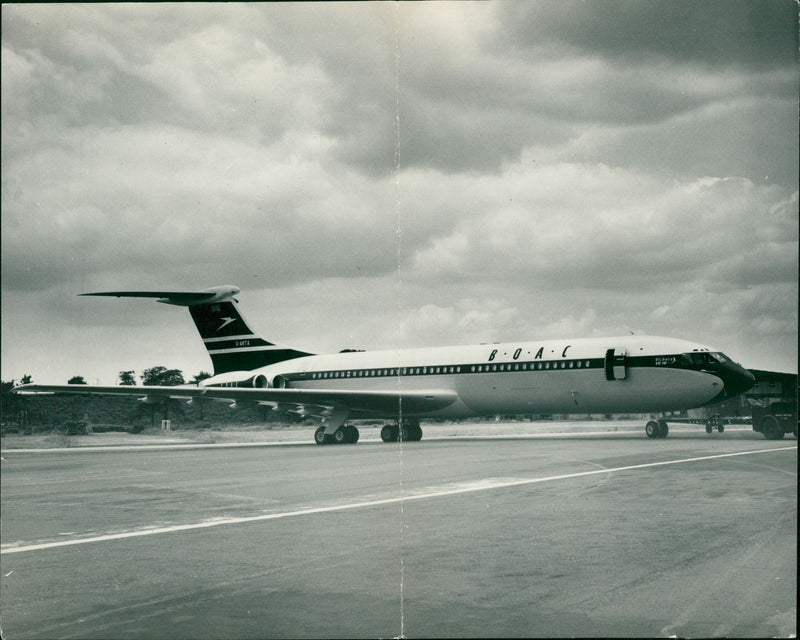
737 380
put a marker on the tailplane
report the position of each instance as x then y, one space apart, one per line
231 343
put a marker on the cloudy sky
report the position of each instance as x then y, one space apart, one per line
412 174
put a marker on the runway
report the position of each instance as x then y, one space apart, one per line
587 535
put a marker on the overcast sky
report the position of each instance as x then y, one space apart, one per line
382 174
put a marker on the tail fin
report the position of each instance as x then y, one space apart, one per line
231 343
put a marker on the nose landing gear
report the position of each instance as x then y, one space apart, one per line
715 422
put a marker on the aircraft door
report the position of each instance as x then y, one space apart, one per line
615 364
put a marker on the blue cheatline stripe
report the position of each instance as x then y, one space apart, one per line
538 366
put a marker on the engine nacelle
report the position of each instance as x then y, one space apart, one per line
260 381
239 379
279 382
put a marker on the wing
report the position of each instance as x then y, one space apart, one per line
310 401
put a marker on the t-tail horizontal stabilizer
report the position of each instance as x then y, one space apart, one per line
229 340
180 298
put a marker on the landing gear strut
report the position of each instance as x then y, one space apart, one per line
656 429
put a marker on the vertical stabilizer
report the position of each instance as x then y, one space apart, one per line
229 340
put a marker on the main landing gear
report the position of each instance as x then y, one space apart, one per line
409 432
346 434
656 429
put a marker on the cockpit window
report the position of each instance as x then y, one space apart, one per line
701 358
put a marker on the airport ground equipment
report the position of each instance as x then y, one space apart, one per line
775 420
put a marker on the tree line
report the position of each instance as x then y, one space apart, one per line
158 376
68 413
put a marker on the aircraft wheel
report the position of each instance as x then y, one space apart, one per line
415 433
340 436
663 428
320 437
352 433
389 433
721 427
651 429
709 428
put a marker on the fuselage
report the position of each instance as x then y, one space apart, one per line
594 375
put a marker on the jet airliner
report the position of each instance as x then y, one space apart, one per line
639 374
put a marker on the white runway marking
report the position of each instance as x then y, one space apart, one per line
422 494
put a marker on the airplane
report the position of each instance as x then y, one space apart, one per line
630 374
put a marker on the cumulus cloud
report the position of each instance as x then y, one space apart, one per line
375 174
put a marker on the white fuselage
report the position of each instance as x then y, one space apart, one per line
641 374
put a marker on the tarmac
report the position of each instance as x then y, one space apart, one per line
501 530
